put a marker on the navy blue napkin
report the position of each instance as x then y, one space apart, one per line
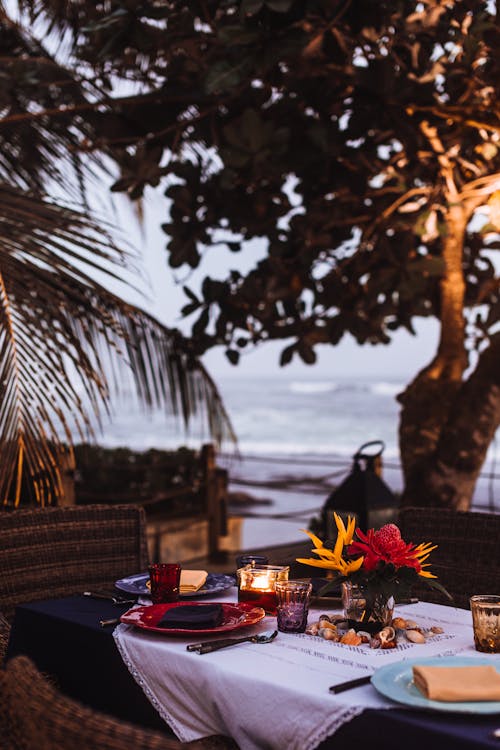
192 616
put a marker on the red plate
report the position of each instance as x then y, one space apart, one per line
233 616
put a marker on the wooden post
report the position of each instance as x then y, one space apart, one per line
215 481
208 463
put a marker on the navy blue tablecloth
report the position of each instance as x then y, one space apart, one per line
64 639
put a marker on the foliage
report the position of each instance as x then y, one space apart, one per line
379 562
356 139
63 335
338 131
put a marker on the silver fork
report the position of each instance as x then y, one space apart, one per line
209 646
107 598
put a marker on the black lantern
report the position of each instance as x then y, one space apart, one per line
362 493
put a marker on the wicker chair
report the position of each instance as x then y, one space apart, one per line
34 715
56 552
467 559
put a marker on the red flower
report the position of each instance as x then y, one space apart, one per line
385 545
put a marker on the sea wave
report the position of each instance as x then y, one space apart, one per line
382 388
386 388
308 387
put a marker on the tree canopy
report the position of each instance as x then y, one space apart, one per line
360 139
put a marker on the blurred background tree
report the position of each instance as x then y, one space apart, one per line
359 138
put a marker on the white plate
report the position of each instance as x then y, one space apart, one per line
395 681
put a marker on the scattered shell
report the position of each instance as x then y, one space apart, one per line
375 642
415 636
312 629
325 617
327 624
365 637
411 625
388 644
387 634
399 623
436 629
351 638
328 634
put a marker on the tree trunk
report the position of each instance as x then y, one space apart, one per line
447 424
446 476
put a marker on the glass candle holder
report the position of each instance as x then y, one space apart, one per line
249 559
165 579
256 585
486 623
292 605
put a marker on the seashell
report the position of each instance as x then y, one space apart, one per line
327 624
415 636
436 629
326 617
336 619
375 642
342 625
328 634
365 637
411 625
399 623
388 644
387 634
417 629
351 638
312 629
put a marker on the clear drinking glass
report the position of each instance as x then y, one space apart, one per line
486 623
292 605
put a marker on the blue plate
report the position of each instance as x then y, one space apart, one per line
395 681
215 584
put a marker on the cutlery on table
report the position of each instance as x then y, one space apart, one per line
104 623
209 646
350 684
108 598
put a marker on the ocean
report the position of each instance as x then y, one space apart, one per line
296 441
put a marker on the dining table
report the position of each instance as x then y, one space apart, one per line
266 696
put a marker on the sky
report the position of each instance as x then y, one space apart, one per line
403 358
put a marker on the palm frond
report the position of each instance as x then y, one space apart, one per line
62 333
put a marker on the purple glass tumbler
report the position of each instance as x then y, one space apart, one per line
165 581
292 602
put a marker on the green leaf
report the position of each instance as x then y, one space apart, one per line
223 76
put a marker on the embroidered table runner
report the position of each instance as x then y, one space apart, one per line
275 695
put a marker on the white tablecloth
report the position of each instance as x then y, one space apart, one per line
274 696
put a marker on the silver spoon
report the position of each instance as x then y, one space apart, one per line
209 646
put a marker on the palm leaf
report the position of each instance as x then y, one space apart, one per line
62 334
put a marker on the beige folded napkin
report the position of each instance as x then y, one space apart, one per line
474 683
192 580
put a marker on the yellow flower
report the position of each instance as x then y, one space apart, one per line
332 559
422 552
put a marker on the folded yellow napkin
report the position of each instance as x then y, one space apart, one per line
455 684
192 580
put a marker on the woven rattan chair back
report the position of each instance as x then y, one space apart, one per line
467 559
55 552
34 715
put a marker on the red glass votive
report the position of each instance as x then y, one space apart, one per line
165 581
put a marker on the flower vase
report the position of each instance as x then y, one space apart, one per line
365 609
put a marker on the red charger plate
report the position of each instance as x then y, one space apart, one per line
234 616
